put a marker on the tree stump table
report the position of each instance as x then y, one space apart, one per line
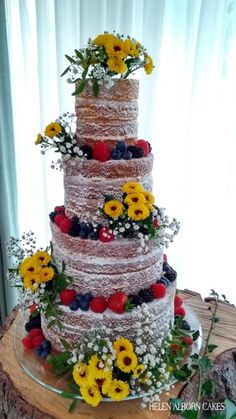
22 398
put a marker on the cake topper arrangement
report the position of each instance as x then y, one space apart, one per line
102 298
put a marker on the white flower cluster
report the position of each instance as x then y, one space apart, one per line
17 250
27 297
168 229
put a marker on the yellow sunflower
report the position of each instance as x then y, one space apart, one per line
113 208
29 265
114 49
81 374
117 65
150 207
32 280
149 197
148 66
52 129
138 370
122 344
138 212
39 139
126 361
46 274
131 187
91 395
100 378
42 258
135 198
118 390
103 39
130 48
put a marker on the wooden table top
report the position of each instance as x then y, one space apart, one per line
54 406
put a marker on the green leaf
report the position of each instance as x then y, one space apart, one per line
175 405
215 319
60 282
211 347
79 54
65 344
73 405
195 335
72 61
205 363
183 373
95 88
108 197
230 409
207 387
190 414
80 88
51 323
65 71
63 266
68 395
84 74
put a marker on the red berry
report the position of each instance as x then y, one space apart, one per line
117 302
37 340
178 301
104 235
155 223
58 219
101 152
60 209
27 342
98 304
159 290
188 340
179 311
165 257
33 308
67 296
144 145
175 347
65 225
35 332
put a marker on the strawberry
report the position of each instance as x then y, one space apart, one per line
104 235
37 340
188 340
117 302
179 311
67 296
35 332
159 290
58 219
60 209
65 225
27 342
33 308
144 145
101 152
178 301
155 223
98 304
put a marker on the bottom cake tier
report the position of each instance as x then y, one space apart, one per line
152 320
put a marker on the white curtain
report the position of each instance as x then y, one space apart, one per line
187 111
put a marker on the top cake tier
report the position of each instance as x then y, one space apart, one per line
111 116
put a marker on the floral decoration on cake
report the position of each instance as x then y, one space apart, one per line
107 56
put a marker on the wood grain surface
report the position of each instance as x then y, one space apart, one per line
24 398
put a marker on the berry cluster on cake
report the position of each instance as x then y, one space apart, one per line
105 291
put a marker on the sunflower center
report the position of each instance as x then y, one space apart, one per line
138 212
100 381
91 393
127 360
118 390
41 258
135 199
117 48
139 370
82 374
122 348
113 208
31 269
52 129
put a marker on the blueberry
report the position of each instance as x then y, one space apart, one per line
94 235
164 281
116 154
74 305
88 296
84 305
79 297
121 146
38 351
44 353
127 155
46 344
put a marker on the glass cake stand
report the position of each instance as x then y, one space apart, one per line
38 369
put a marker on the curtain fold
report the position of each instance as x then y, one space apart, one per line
8 184
186 111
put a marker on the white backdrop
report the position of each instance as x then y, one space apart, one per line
187 112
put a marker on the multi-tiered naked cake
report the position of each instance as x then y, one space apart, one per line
104 295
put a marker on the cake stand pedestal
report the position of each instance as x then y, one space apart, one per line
22 398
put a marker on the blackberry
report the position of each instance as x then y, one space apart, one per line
144 230
52 215
146 295
87 150
136 300
74 230
49 285
75 219
33 324
137 152
185 325
94 235
171 275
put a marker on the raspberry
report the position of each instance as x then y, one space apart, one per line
178 301
60 209
65 225
33 308
104 235
144 145
155 223
175 347
35 332
179 311
98 304
159 290
67 296
188 340
37 340
101 152
27 342
58 219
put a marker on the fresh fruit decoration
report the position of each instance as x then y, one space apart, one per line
107 56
